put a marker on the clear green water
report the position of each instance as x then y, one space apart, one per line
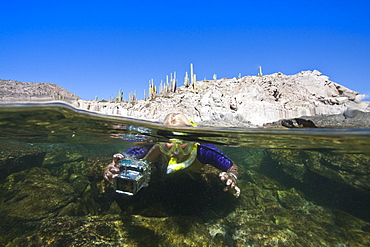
300 187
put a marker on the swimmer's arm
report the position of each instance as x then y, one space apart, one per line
230 177
209 154
153 155
139 151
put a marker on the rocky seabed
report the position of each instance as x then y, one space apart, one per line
56 196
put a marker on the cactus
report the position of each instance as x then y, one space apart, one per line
260 73
132 97
174 83
186 79
152 89
194 83
120 95
193 78
166 85
161 87
191 73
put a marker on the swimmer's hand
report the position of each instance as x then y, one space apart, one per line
230 181
117 158
112 170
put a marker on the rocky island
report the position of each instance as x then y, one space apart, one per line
250 101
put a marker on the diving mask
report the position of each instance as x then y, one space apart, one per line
175 146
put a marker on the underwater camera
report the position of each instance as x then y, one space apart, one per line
135 174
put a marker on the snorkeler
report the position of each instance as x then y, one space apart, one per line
173 156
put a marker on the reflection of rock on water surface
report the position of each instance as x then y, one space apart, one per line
64 202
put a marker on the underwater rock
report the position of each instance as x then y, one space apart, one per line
348 168
337 180
29 196
273 216
95 167
266 214
59 155
291 199
16 157
89 188
34 194
114 230
100 190
351 169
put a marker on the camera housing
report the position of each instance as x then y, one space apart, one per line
135 174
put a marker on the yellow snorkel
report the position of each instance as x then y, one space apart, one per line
176 146
174 166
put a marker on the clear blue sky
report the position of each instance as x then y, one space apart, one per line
97 47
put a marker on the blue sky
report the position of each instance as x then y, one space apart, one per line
97 47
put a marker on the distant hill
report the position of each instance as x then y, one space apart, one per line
15 91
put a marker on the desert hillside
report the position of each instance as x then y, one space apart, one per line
15 91
250 101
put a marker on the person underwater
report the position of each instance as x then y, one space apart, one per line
168 158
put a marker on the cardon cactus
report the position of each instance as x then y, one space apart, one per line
186 79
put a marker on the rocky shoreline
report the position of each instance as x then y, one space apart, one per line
275 100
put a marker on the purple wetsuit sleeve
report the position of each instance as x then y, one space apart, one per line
209 154
139 151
